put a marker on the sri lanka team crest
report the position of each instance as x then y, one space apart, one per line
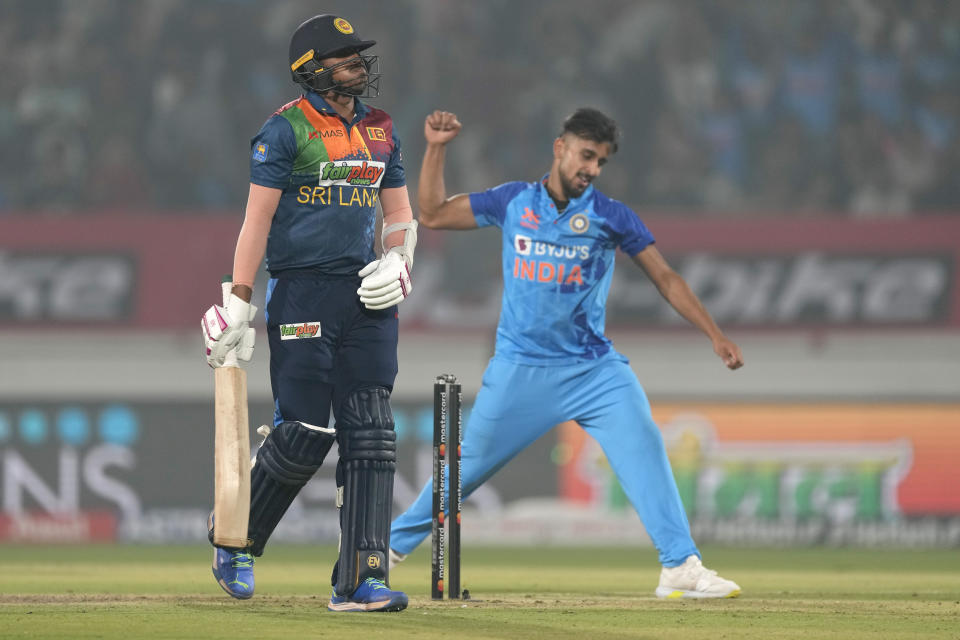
377 133
579 223
343 26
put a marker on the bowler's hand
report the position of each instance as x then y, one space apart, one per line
729 352
441 127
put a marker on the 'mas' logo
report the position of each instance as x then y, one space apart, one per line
355 173
298 331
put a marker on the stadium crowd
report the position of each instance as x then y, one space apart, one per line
792 107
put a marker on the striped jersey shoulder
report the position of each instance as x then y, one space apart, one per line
290 105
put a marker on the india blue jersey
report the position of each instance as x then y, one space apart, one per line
556 269
331 173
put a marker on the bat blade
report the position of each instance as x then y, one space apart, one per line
231 509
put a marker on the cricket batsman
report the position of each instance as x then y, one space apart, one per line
318 168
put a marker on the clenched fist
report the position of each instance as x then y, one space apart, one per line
441 127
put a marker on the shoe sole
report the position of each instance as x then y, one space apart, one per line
362 607
677 594
232 594
223 584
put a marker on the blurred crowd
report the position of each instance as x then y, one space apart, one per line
793 107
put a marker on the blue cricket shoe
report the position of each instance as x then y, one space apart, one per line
371 595
232 569
234 572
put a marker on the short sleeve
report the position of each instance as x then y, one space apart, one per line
272 152
632 234
395 175
490 206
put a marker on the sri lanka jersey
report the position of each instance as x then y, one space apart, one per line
331 173
557 269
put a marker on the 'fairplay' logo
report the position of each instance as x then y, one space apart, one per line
300 331
355 173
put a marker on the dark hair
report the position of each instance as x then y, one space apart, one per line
591 124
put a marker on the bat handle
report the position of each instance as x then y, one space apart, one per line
230 360
226 287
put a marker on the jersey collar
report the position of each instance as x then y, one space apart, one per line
572 205
318 102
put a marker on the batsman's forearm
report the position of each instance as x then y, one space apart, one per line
395 203
432 191
251 246
252 243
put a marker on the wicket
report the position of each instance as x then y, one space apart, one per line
446 543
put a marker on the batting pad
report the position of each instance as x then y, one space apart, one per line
368 460
286 461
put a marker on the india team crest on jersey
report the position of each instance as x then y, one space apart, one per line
579 223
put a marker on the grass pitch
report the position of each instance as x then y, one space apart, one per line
582 593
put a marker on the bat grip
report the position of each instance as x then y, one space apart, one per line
226 287
230 360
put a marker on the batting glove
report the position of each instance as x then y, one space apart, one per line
386 281
227 329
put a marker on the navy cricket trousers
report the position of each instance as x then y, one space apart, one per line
324 344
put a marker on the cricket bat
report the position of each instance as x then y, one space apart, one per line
231 502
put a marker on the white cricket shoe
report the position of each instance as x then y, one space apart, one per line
693 580
396 558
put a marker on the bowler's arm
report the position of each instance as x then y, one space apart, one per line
677 292
437 211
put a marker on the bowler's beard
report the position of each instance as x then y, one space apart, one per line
570 190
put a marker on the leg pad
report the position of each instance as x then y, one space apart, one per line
286 461
368 460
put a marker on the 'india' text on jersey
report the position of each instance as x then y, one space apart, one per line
557 269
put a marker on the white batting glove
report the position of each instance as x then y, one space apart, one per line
386 282
227 329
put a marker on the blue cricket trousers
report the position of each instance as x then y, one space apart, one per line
519 403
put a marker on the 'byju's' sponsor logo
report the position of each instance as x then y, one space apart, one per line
525 246
521 245
301 330
356 173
